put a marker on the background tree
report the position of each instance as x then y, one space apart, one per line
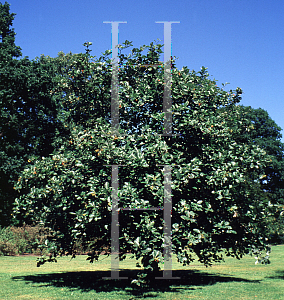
70 190
256 127
28 113
8 51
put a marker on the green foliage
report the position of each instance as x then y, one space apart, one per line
214 204
8 49
28 114
25 239
28 119
6 242
256 127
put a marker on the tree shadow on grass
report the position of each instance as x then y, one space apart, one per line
93 280
278 275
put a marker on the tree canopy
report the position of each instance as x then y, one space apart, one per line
259 129
70 190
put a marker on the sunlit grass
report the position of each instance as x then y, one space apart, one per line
78 279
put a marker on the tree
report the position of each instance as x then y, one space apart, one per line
28 113
8 51
70 190
258 128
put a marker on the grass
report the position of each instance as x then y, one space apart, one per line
78 279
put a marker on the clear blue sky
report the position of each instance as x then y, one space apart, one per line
240 42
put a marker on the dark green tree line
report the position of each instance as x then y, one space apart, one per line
28 113
258 128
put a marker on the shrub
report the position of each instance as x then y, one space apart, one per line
25 239
16 240
7 242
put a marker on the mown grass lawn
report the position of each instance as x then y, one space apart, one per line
78 279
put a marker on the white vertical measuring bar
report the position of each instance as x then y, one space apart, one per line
167 131
167 272
167 98
114 225
115 131
114 77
